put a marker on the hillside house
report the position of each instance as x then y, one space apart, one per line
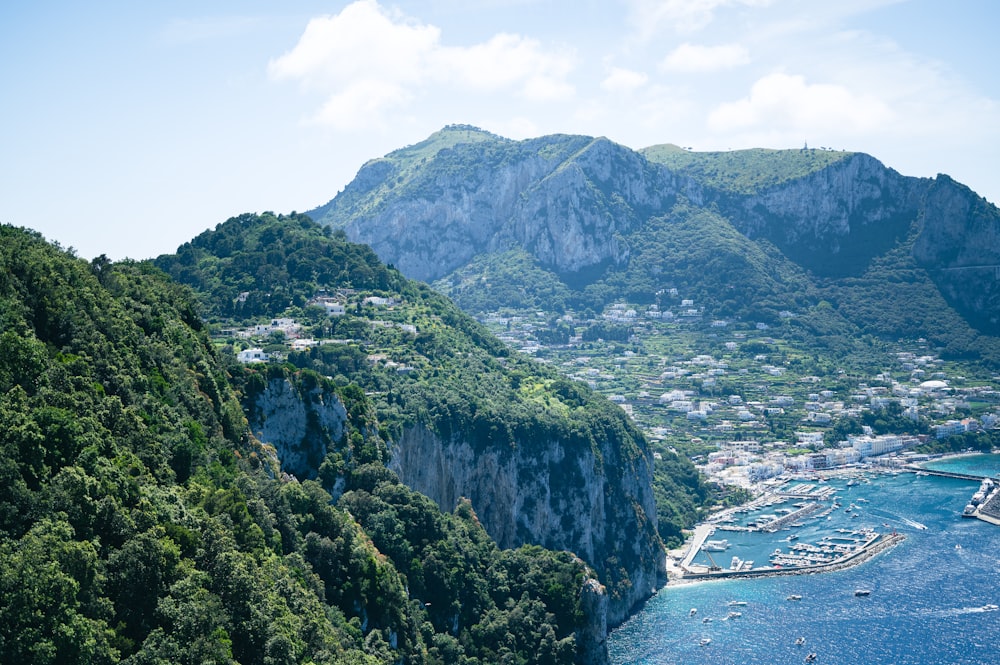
254 355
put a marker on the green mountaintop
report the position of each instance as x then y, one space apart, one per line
743 171
577 223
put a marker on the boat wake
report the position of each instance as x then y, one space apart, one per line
913 523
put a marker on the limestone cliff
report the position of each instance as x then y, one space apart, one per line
594 502
299 422
833 220
581 207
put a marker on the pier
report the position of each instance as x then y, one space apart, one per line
944 474
872 547
790 518
701 533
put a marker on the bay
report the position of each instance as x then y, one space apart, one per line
926 605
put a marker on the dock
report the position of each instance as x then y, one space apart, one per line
790 518
701 534
944 474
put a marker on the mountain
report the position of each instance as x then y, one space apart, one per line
457 416
574 221
150 510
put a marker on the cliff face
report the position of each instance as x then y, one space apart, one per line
300 425
569 200
834 220
591 502
959 245
581 207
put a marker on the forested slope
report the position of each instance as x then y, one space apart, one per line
542 460
141 522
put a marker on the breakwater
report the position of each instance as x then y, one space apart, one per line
868 550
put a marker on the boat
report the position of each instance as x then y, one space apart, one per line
715 545
705 641
694 610
990 608
737 603
734 615
799 641
811 658
794 596
862 592
707 620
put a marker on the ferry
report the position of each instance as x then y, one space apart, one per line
715 545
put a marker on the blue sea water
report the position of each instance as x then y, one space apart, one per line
925 607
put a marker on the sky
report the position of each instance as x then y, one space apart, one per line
127 128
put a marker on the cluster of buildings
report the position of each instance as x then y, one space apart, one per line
291 330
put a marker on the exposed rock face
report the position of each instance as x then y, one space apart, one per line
835 219
576 204
959 244
593 503
299 425
569 206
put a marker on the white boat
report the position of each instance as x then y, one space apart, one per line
990 608
705 641
737 603
794 596
694 610
799 641
734 615
862 592
715 545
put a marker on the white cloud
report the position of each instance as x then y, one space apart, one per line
620 80
783 101
697 58
368 60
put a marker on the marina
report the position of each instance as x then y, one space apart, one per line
937 575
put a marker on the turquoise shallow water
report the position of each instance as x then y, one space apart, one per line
925 607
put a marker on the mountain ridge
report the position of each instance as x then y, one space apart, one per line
582 217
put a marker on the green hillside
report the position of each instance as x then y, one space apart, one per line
743 171
141 522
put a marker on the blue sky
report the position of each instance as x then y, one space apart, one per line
127 128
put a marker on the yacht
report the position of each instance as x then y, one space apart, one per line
990 608
715 545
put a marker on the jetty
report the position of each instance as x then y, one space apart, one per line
790 518
943 474
875 544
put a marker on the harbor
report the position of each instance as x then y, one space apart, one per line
821 533
937 575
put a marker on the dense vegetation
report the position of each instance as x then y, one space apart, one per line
141 523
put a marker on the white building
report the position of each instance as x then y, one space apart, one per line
254 355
